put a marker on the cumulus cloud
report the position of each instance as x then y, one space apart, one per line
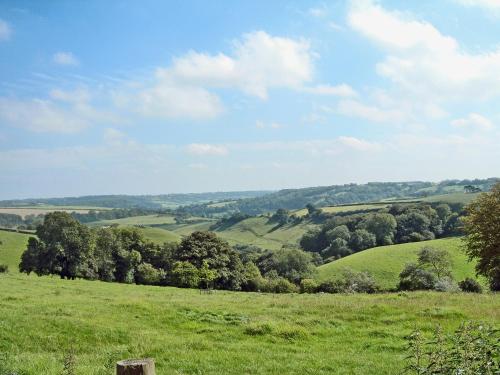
258 62
473 120
5 31
421 59
65 58
359 144
206 149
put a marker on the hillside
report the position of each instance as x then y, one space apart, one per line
335 195
11 247
386 262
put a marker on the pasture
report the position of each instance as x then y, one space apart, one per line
42 210
47 321
386 262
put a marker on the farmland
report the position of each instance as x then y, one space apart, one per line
42 210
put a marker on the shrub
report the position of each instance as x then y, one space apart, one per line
472 349
446 284
415 278
147 274
4 268
308 286
470 286
359 282
331 286
278 285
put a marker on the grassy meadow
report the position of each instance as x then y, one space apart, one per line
45 319
386 262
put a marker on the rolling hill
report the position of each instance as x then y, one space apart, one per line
386 262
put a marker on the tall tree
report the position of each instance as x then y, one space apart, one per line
482 240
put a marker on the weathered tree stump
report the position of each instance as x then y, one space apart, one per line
144 366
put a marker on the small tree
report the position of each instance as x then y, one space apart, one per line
185 275
437 261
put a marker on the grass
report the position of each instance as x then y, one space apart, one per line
160 236
11 248
43 319
386 262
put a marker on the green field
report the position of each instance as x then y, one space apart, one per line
137 220
11 248
160 236
252 231
43 319
386 262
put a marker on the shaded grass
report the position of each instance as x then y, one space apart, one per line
386 262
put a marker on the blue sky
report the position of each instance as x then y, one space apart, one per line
189 96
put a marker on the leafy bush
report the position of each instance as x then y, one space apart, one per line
415 278
4 268
278 285
446 284
351 282
472 349
147 274
308 286
470 286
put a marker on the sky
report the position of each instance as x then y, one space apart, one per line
154 97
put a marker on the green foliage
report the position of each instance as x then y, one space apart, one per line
470 286
482 225
308 286
474 348
350 282
382 225
292 264
185 275
148 275
414 277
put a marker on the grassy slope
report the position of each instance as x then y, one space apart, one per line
159 235
13 245
386 262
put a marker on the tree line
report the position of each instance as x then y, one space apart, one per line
342 235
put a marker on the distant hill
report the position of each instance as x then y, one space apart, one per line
153 202
294 199
386 262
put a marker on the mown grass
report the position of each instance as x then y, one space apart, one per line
386 262
42 319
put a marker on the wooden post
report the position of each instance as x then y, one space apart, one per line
144 366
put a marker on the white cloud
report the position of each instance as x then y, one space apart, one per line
39 116
423 61
473 120
206 149
113 136
169 99
354 108
5 30
259 62
342 90
65 58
